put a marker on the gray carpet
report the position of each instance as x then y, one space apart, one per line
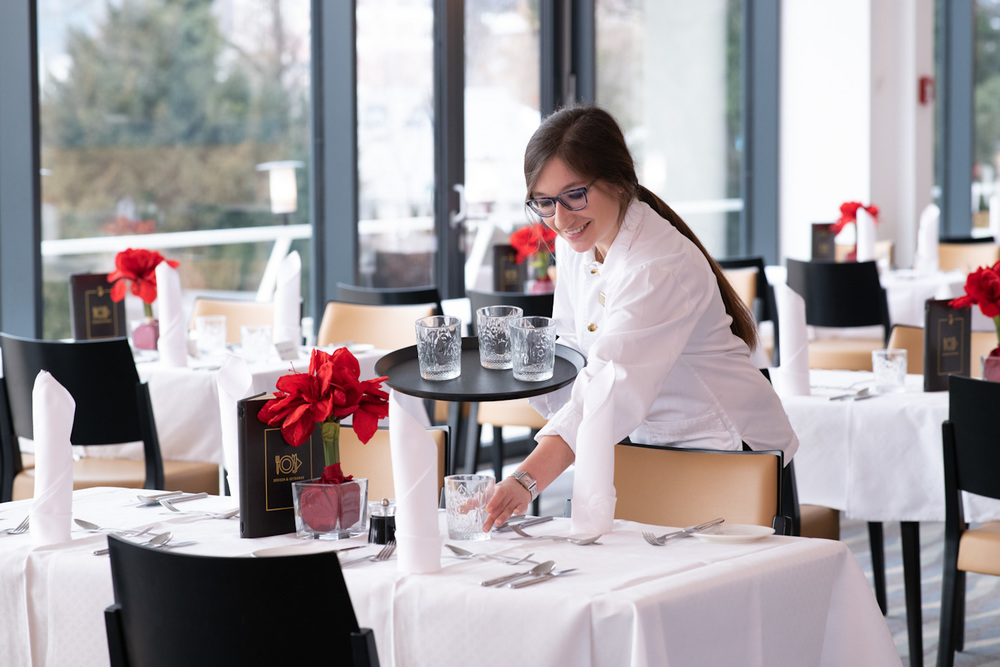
982 622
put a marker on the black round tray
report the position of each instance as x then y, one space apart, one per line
476 383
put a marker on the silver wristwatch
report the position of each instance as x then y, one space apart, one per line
525 479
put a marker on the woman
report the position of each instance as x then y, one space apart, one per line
638 289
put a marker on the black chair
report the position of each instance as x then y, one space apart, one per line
971 462
180 609
765 305
502 413
112 407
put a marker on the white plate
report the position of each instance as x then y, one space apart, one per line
735 532
304 547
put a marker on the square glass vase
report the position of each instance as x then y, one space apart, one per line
330 511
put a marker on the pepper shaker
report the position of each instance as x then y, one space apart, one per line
382 528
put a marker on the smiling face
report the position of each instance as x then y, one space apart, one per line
595 225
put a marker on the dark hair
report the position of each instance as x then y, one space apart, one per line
590 142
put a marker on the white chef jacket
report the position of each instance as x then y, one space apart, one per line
654 309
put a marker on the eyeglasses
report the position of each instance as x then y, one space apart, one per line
572 200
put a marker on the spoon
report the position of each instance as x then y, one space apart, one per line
154 541
466 554
541 568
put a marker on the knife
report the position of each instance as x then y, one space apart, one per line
523 523
692 529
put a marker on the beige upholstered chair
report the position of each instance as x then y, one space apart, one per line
911 339
671 486
112 407
385 327
980 345
373 460
238 313
967 256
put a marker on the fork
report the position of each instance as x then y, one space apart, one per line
228 514
19 528
662 539
384 554
582 541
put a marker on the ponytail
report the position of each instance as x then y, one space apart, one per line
743 325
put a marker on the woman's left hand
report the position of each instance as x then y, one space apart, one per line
509 498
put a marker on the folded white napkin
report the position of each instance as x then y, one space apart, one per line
926 256
234 381
865 224
288 300
593 476
415 477
53 412
172 344
791 377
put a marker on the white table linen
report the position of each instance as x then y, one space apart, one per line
878 459
777 601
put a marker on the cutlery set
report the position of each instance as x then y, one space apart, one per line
465 554
18 529
157 541
663 539
173 496
384 554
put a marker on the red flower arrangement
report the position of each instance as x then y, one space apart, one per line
982 288
328 392
849 213
537 243
139 267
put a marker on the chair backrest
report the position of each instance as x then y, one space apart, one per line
372 460
970 437
911 339
672 486
840 294
112 406
531 304
967 254
238 313
382 317
181 609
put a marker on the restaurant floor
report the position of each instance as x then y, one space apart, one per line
982 637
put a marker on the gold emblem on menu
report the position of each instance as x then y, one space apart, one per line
288 464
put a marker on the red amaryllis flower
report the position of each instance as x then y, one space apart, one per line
532 239
982 288
139 267
849 213
328 392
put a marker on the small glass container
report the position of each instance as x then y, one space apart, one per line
382 527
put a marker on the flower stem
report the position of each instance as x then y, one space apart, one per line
996 323
148 309
331 442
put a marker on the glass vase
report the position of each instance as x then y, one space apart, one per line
330 511
145 333
991 366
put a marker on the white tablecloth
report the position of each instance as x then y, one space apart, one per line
777 601
878 459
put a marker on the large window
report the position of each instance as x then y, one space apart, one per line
669 70
986 108
159 122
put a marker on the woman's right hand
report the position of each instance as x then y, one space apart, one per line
509 498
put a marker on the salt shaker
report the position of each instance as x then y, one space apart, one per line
382 528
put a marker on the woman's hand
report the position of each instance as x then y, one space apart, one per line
509 497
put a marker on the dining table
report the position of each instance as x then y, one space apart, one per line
708 599
877 458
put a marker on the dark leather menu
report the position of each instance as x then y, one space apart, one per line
508 275
822 241
92 312
947 336
268 466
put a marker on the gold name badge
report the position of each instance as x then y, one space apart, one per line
601 298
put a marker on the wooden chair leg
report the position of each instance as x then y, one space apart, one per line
910 538
877 547
959 637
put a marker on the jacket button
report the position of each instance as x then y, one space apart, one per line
591 327
593 272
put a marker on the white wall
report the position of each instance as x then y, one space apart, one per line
851 125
